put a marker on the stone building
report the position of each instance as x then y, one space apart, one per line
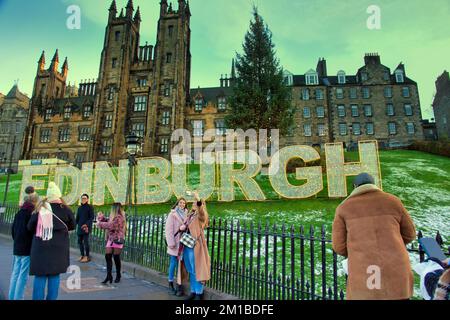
429 130
374 103
14 109
441 106
145 89
141 88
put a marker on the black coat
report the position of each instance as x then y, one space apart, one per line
85 216
52 257
21 235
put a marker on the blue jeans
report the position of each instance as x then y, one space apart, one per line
40 284
189 262
172 266
19 277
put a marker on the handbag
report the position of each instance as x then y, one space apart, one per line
188 240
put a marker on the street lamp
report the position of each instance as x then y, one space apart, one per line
9 171
132 142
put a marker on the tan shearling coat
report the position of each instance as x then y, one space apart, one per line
371 228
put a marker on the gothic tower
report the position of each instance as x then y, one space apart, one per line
49 84
120 50
172 64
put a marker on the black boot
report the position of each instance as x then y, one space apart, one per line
191 297
109 277
118 264
172 289
180 291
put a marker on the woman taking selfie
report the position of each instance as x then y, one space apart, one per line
195 253
174 221
115 227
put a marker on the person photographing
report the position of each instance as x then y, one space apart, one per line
194 250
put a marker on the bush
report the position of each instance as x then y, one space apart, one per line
441 148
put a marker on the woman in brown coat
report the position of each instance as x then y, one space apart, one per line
196 261
371 228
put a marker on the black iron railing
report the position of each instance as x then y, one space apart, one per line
250 261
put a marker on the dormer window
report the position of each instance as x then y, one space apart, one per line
341 77
67 113
312 78
288 78
399 76
198 104
222 105
48 114
86 111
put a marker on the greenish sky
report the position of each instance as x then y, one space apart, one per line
415 32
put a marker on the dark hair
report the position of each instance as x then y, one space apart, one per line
85 195
178 201
29 190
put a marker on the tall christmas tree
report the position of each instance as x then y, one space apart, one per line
260 98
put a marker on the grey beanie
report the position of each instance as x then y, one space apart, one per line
362 179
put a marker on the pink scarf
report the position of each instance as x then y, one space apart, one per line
44 228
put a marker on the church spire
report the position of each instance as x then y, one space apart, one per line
41 62
112 10
164 6
65 67
137 16
55 62
130 9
